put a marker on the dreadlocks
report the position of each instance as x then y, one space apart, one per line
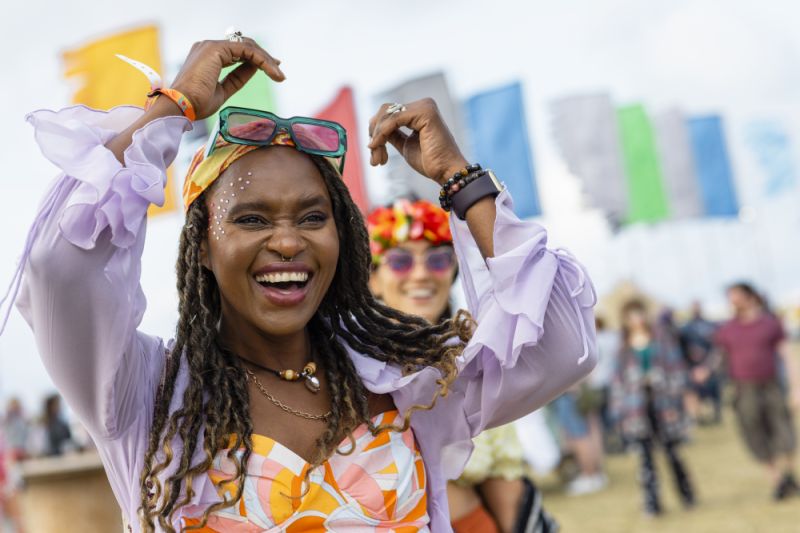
215 403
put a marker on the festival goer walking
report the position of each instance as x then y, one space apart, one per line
290 399
582 437
697 340
413 270
600 382
647 399
752 343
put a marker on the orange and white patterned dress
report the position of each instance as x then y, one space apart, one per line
379 487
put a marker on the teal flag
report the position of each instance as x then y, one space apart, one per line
772 148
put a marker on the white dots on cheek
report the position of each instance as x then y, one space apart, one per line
220 207
216 219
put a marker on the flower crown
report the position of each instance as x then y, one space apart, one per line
406 221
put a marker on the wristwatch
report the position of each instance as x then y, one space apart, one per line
486 185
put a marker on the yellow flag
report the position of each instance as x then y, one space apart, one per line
104 81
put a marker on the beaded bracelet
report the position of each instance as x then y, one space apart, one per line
176 96
460 179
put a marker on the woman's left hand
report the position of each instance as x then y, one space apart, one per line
430 148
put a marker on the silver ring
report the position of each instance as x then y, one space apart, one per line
234 35
395 108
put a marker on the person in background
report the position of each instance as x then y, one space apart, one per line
16 429
647 400
751 343
13 449
413 270
56 430
697 341
577 414
599 381
665 323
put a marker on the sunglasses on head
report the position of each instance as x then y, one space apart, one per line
240 125
436 260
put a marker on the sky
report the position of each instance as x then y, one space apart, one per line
735 57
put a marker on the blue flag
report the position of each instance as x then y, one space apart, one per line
773 150
713 166
499 135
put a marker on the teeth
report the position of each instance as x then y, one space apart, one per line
420 293
282 277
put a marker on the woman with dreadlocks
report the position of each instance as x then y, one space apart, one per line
290 398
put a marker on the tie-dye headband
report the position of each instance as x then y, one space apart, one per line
405 221
203 171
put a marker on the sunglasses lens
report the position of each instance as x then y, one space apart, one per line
316 137
250 128
400 262
439 261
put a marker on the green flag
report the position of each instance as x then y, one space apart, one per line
647 201
257 94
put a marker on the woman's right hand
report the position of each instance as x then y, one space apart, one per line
199 80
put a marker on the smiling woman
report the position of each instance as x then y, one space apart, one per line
212 431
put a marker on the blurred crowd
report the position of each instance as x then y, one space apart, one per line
23 437
659 377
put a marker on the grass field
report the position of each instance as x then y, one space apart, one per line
734 494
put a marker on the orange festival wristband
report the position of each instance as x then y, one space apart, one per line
176 96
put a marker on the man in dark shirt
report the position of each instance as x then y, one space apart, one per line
752 342
697 344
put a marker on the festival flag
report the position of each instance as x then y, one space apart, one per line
647 199
257 93
343 110
677 165
104 81
713 166
499 135
772 148
586 133
403 179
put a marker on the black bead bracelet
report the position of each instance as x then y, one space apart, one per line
460 179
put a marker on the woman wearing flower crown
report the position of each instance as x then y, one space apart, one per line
413 270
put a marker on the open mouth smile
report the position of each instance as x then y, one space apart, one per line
284 284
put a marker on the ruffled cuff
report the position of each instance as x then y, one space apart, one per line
520 279
108 195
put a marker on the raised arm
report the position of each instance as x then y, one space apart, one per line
81 293
533 305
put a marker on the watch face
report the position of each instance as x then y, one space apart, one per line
498 185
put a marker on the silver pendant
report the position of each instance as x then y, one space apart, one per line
312 384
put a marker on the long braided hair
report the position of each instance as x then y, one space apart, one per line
215 403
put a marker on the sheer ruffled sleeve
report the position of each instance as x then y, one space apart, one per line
79 274
535 333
